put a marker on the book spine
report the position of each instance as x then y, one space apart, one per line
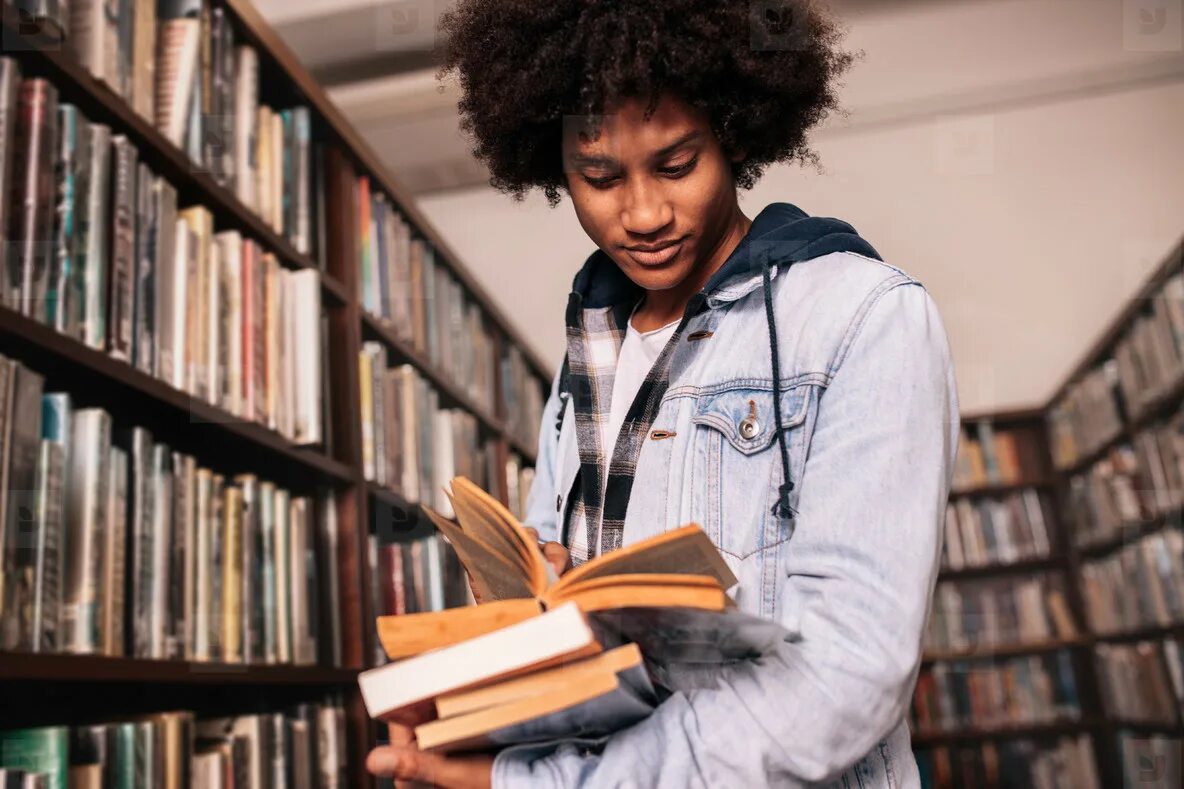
184 572
140 540
145 304
58 304
301 233
306 361
176 75
298 581
121 295
144 59
216 566
246 336
86 507
232 572
330 638
169 294
115 555
210 365
246 102
32 192
10 79
203 558
252 574
266 561
18 538
48 592
281 536
258 350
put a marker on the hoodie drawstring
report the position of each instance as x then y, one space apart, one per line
781 508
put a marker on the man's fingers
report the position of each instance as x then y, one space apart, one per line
558 556
405 763
400 734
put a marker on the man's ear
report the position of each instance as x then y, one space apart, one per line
739 155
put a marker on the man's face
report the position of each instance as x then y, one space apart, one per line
664 182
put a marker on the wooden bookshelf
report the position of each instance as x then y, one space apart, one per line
1034 731
998 569
90 687
988 651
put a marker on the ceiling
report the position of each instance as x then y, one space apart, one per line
1021 158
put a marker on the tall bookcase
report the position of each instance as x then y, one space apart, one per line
1110 465
44 689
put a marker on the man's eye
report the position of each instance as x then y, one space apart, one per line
600 183
679 169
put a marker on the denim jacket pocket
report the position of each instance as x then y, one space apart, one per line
736 459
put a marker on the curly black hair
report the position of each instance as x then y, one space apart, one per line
764 71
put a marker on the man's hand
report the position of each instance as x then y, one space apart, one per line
553 552
408 765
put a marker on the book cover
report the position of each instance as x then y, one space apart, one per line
18 535
86 508
44 750
115 553
32 191
146 268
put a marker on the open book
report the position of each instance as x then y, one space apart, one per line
677 569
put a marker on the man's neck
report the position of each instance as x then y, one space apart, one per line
662 307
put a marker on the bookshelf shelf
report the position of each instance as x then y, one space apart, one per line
1006 650
1020 567
96 378
102 669
996 488
44 57
1148 633
1126 535
933 739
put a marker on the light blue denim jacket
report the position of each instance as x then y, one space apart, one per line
871 414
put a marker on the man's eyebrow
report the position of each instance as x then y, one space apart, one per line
595 160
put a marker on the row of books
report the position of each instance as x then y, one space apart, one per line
1146 362
519 479
414 576
178 65
304 745
1150 353
116 545
991 456
988 530
1142 682
999 612
985 694
1141 585
1151 761
403 285
1131 484
409 444
101 251
523 397
1066 764
1088 415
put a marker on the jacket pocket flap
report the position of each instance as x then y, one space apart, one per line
745 416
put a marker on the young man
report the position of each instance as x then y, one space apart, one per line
770 379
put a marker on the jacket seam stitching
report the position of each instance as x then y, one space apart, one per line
857 323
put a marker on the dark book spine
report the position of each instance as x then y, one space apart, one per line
144 305
59 302
93 226
214 143
32 193
227 118
20 532
215 569
181 588
121 291
320 240
165 595
48 593
139 548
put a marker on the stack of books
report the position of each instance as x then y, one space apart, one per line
542 657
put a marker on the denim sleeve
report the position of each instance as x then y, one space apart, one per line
860 570
540 502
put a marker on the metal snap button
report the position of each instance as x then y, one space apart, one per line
749 427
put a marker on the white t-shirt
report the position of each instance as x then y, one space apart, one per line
639 351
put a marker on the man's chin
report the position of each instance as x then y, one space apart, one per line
656 278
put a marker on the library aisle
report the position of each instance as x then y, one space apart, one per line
260 305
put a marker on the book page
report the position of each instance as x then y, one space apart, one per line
494 575
686 551
484 513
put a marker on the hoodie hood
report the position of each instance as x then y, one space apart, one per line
780 233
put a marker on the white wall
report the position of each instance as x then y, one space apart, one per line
1022 159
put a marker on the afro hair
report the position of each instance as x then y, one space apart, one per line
764 72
